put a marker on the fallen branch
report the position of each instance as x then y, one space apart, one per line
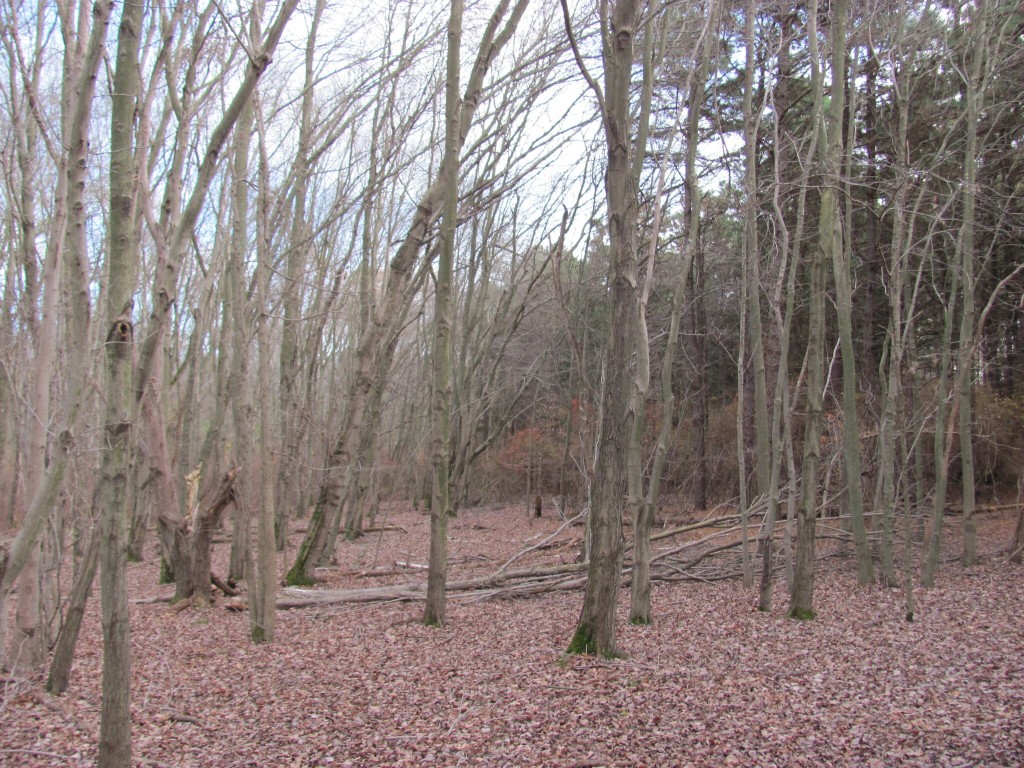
224 587
384 529
538 545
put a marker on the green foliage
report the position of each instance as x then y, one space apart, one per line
640 621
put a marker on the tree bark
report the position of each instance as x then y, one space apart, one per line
829 236
441 395
844 301
263 606
595 630
64 651
122 258
974 96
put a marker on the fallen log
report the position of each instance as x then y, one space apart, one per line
700 564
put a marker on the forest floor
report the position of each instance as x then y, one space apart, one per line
712 682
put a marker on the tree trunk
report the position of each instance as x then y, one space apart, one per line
965 359
640 582
752 272
64 652
789 268
441 395
65 245
893 408
642 513
122 259
829 237
595 631
238 386
844 307
291 300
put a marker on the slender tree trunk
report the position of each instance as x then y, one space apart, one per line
642 513
241 399
829 236
64 651
782 428
263 604
933 530
434 611
752 273
844 302
974 94
893 406
291 300
115 716
640 583
701 411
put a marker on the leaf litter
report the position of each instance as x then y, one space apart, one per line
712 682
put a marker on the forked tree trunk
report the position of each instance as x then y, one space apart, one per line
893 405
782 429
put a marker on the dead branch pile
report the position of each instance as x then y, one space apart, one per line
711 557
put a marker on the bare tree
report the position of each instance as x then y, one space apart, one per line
122 257
829 237
376 350
441 352
66 245
595 631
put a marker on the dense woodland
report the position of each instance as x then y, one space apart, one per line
270 270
